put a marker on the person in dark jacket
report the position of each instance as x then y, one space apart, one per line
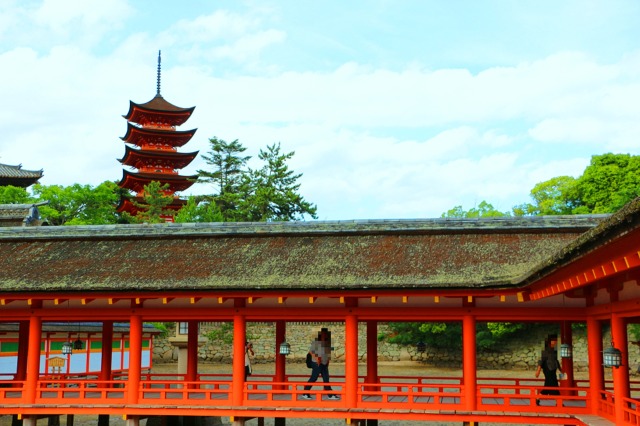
549 366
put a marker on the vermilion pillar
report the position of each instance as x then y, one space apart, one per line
596 376
469 373
351 360
135 358
33 359
566 336
281 334
106 351
23 348
192 350
239 336
372 351
621 374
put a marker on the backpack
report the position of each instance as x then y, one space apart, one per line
309 361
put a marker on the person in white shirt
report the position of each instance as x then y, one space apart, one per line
320 351
248 349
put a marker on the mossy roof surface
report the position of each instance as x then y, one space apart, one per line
623 224
374 254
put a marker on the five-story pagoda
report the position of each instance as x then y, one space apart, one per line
153 150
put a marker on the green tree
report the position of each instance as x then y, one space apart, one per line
271 192
154 207
555 196
228 168
10 194
449 334
608 183
203 211
483 209
78 204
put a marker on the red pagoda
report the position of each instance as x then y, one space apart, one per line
151 130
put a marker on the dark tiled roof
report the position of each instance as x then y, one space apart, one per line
158 103
17 176
19 215
379 254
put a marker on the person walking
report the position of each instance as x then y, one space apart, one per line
248 349
320 351
548 365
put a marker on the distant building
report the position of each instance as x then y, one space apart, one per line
21 215
151 128
17 176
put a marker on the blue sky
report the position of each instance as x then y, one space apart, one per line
395 109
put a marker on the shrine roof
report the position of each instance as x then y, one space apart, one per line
158 103
136 180
316 255
134 133
182 157
17 176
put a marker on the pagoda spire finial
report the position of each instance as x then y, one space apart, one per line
158 92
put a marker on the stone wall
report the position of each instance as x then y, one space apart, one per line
520 354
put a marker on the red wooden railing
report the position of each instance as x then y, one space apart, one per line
508 395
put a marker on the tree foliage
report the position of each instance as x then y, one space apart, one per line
608 183
449 334
199 211
483 209
555 196
154 208
271 192
10 194
78 204
227 174
268 193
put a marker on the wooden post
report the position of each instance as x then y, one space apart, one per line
33 361
23 350
372 352
621 374
106 351
281 334
192 350
135 361
351 360
566 336
596 375
469 373
239 336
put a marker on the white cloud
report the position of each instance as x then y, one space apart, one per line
372 140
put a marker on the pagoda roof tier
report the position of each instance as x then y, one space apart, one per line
126 205
140 136
158 110
17 176
137 181
140 158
